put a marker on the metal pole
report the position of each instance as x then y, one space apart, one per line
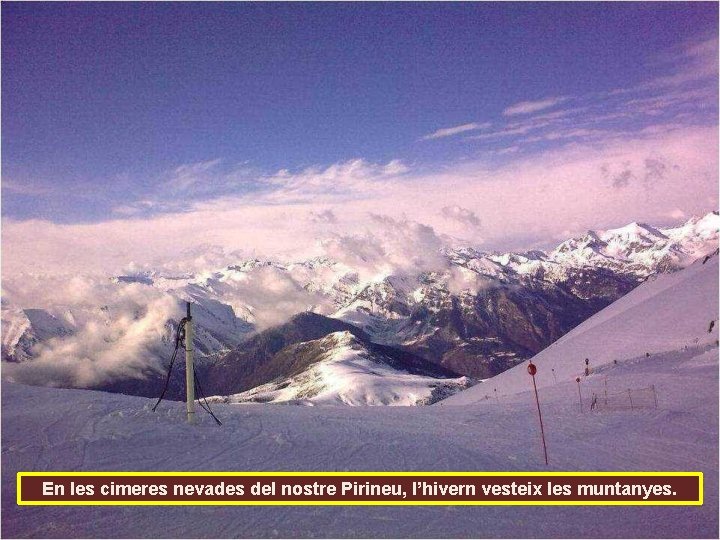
542 429
189 371
532 370
631 403
577 380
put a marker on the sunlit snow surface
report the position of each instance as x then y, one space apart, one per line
51 429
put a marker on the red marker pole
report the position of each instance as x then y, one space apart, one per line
577 380
532 370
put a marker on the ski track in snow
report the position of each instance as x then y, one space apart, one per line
53 429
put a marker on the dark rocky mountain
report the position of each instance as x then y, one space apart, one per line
482 332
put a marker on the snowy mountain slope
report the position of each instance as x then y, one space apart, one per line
53 429
667 313
344 371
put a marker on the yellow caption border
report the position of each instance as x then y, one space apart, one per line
528 475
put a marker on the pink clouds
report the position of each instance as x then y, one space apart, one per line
531 199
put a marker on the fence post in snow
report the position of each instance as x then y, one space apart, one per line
577 380
630 396
532 370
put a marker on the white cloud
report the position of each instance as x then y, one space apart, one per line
269 296
677 214
463 215
323 216
689 62
356 177
455 130
117 329
527 107
190 175
693 60
387 246
24 188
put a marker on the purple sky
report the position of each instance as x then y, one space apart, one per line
133 130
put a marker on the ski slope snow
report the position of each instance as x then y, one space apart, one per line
56 429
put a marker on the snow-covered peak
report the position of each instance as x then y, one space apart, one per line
590 240
633 239
641 249
634 232
345 370
696 234
340 340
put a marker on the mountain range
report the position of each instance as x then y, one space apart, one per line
471 316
